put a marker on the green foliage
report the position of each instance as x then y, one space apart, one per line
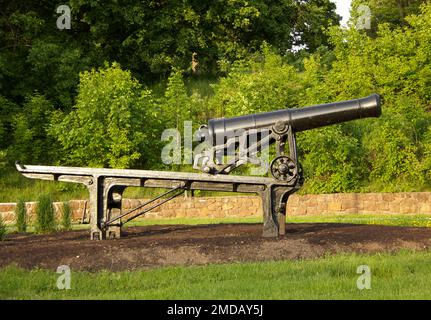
116 122
392 12
2 229
21 216
45 215
396 64
36 56
333 161
32 144
66 216
177 104
391 154
3 159
158 35
262 84
7 110
394 155
112 124
427 155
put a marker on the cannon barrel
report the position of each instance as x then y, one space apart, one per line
300 119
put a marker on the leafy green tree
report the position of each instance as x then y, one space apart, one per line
388 154
177 104
154 36
7 111
262 84
395 64
393 12
31 141
333 161
113 124
394 160
36 56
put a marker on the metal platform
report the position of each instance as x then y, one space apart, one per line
106 187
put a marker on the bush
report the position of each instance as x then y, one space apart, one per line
2 229
66 216
31 143
264 83
21 216
111 124
45 215
333 161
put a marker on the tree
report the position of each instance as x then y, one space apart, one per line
7 111
392 12
113 123
31 141
396 64
153 36
261 84
176 105
36 56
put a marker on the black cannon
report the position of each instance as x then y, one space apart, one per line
245 136
274 127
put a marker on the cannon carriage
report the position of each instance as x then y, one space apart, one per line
106 186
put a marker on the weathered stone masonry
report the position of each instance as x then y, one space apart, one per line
246 206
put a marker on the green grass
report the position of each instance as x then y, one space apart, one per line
406 275
384 219
389 220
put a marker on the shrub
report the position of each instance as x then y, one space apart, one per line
262 84
113 121
66 216
333 161
30 131
21 216
2 229
45 215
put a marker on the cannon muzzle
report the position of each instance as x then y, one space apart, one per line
299 119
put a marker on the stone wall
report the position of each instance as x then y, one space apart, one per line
249 206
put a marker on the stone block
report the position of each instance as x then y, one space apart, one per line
334 207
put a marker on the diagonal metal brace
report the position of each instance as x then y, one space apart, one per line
181 187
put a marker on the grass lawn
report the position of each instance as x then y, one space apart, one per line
389 220
406 275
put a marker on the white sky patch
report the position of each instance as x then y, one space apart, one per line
343 9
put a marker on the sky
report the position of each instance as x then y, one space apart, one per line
343 9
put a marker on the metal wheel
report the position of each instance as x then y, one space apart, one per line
284 168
